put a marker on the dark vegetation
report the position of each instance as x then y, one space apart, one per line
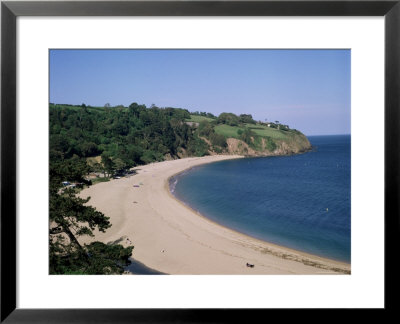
124 137
203 114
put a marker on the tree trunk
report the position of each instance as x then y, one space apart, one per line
74 240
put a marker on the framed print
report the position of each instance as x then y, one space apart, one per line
140 92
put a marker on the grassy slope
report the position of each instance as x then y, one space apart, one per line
264 131
198 119
269 139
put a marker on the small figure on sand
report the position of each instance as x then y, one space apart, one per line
250 265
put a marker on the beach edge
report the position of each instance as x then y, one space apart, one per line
271 248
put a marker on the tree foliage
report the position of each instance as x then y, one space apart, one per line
131 136
207 130
71 218
246 118
229 119
247 136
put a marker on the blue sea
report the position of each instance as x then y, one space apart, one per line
299 201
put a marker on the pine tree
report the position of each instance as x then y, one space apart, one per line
71 218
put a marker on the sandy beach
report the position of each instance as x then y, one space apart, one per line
172 238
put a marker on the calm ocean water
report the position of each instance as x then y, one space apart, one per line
301 201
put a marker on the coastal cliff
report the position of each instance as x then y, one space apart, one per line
247 137
296 144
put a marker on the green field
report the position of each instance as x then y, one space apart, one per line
228 131
198 119
264 131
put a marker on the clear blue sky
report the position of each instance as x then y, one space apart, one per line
307 89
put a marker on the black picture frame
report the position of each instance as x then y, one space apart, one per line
10 10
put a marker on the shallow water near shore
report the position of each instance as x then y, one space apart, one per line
300 202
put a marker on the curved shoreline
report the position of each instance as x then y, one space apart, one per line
171 237
273 249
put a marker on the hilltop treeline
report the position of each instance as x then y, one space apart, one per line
124 137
